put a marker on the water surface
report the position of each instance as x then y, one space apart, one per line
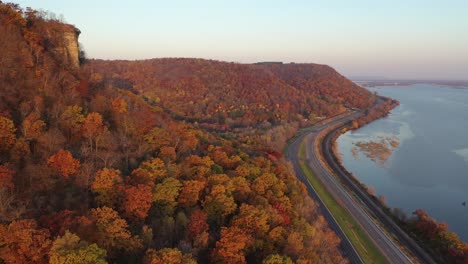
429 169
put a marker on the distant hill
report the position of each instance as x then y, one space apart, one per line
213 91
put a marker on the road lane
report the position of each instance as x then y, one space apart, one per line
386 245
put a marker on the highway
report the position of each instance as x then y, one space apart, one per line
381 239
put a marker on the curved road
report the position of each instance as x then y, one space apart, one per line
385 244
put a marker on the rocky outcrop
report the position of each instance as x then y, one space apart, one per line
68 49
62 41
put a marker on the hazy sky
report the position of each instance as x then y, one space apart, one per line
408 39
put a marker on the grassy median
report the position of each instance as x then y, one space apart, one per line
360 240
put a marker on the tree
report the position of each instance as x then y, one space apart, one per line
93 129
7 134
219 203
106 184
119 106
277 259
232 246
23 242
111 231
32 126
70 249
190 194
167 256
64 163
150 171
166 192
137 201
168 153
252 219
158 137
6 177
72 119
92 125
197 224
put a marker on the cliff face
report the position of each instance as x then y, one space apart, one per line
70 47
65 44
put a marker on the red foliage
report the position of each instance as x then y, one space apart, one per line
197 224
137 201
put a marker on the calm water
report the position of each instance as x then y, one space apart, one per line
429 169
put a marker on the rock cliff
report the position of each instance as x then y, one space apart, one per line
67 47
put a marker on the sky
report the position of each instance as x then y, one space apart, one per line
409 39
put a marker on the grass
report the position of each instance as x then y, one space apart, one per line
366 249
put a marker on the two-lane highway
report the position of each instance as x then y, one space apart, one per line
381 239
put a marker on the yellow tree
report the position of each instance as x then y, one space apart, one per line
7 134
72 119
111 231
167 256
71 250
106 184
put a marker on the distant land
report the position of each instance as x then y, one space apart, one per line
373 82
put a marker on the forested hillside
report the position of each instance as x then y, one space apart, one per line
158 161
236 94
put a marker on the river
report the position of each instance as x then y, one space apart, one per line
428 169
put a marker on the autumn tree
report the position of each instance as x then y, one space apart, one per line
93 129
137 201
277 259
33 127
219 203
111 231
7 134
190 194
6 177
167 256
64 163
168 153
198 230
119 106
150 172
23 242
72 119
106 185
232 246
165 193
158 137
253 219
70 249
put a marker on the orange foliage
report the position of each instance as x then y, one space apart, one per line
23 242
64 162
190 194
232 246
137 201
93 125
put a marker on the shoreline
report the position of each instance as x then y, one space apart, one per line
405 222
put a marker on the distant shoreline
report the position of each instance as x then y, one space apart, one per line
374 83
